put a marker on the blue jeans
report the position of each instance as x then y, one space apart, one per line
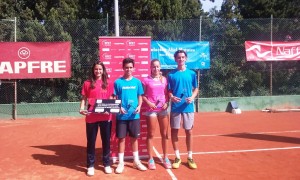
91 135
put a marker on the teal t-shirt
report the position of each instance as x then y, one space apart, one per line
182 83
128 92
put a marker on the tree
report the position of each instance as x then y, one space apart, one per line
266 8
283 24
226 77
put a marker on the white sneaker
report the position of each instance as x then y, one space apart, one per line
120 168
90 171
107 170
139 166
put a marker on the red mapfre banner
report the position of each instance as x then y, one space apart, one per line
31 60
272 51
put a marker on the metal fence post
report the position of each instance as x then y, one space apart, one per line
15 81
271 65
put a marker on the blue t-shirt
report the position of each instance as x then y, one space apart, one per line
128 92
182 83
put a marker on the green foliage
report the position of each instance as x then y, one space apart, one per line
83 21
266 8
158 9
6 9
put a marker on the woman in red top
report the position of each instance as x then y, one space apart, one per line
97 87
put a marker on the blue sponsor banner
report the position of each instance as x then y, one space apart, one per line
197 52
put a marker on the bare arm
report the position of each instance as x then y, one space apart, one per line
173 98
82 110
138 108
194 95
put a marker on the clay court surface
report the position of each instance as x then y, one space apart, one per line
251 145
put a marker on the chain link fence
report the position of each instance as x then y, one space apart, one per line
229 76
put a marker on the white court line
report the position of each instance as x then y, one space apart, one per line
11 124
230 151
224 152
161 160
213 135
271 132
243 150
249 150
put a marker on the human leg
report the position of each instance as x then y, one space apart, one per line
91 135
121 131
188 123
189 143
174 138
105 131
189 140
164 126
151 126
136 160
175 120
121 149
134 133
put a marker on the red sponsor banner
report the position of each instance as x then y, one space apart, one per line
272 51
31 60
112 51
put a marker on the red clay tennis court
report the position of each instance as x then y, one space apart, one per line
251 145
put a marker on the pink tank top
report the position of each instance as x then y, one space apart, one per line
155 90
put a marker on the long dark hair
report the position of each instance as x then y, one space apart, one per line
104 76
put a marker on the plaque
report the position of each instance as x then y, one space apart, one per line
107 105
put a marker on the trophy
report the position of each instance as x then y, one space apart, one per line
130 107
183 93
159 101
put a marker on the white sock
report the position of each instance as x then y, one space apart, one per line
121 157
190 154
136 156
177 154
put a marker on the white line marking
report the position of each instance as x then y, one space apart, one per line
271 132
11 125
249 150
213 135
243 150
161 160
230 151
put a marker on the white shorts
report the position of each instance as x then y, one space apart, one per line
156 113
187 119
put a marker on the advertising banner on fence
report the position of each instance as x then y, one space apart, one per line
272 51
31 60
198 53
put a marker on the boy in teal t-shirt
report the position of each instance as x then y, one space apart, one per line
129 90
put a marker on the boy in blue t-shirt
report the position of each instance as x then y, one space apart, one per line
129 90
183 89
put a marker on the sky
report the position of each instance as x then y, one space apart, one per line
207 5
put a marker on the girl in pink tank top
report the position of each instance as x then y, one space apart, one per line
156 99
